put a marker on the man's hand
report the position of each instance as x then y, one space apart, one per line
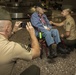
16 26
30 29
62 35
48 29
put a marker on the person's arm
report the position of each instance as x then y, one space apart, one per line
57 24
67 29
34 42
21 51
16 27
66 35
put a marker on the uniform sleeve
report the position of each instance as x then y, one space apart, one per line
68 26
21 51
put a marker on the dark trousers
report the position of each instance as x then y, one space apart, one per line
69 43
32 70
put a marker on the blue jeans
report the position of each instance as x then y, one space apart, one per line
52 36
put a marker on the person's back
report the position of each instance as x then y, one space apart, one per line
5 56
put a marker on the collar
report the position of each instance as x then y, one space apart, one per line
2 37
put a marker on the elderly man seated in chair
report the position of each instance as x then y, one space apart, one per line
40 22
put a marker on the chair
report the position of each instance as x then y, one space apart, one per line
42 42
43 45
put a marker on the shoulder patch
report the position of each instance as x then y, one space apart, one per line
25 46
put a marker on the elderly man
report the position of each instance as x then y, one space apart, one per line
41 23
11 51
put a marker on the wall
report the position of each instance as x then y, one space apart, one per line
70 2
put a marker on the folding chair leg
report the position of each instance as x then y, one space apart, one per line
41 53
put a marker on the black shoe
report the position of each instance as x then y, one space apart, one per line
51 57
51 61
41 53
62 50
52 54
71 48
62 55
52 51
